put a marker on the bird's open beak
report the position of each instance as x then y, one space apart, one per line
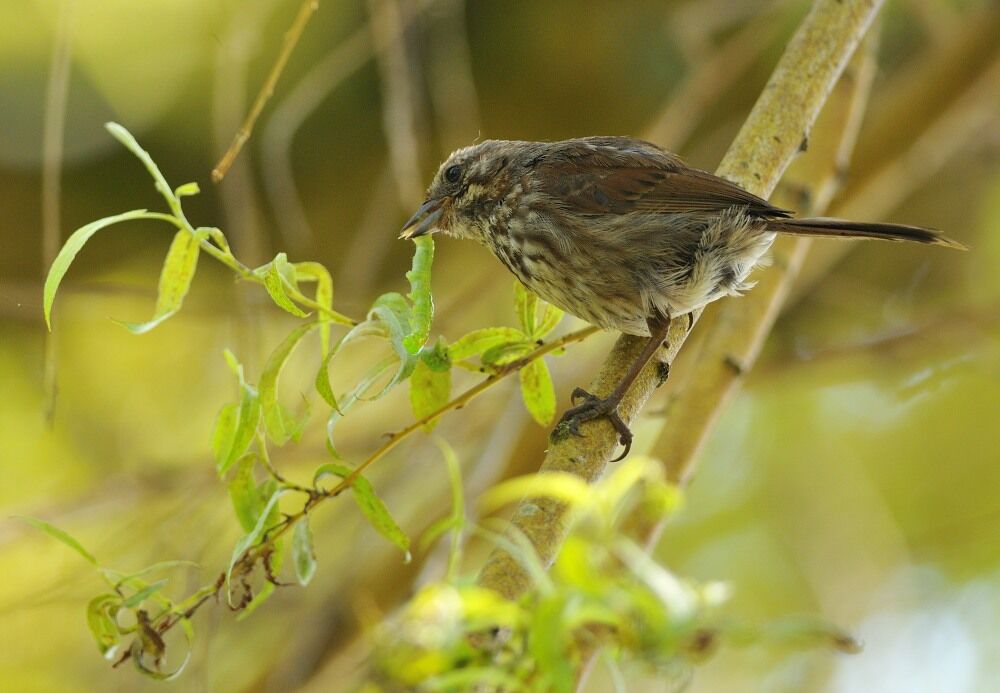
424 219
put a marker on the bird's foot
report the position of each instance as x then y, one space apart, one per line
595 408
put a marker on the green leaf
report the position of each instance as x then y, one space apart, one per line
253 536
323 382
275 416
436 357
314 271
378 514
389 317
275 280
326 469
175 280
429 391
144 594
525 304
551 317
69 251
537 391
506 353
234 365
419 277
224 432
302 552
246 428
479 341
126 138
101 611
243 493
187 190
356 394
60 535
121 578
372 507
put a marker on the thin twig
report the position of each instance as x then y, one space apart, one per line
322 79
306 11
245 563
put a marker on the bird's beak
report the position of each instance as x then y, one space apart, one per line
423 220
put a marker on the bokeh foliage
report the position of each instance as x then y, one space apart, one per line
854 477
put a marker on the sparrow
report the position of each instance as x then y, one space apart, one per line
617 232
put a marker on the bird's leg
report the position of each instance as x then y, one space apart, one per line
594 407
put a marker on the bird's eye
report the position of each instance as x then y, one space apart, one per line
453 173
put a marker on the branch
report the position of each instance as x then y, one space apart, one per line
771 136
305 12
738 330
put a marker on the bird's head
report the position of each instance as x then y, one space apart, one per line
466 189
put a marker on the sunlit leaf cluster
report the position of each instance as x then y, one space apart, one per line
273 511
604 594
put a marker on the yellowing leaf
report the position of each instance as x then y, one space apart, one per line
479 341
429 391
537 391
525 304
274 281
175 280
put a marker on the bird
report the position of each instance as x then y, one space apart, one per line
618 232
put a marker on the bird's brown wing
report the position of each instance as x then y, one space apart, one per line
618 175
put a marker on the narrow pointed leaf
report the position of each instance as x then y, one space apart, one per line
506 353
306 271
526 305
378 515
429 391
246 428
175 280
62 536
551 317
243 494
479 341
302 552
224 432
126 138
275 280
275 417
419 277
143 594
69 251
537 391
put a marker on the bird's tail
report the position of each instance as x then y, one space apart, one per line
823 226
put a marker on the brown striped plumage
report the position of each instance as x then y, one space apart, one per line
616 231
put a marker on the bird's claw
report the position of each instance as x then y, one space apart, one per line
594 408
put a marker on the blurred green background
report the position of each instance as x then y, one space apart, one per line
855 477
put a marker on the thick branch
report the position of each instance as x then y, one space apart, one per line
779 122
